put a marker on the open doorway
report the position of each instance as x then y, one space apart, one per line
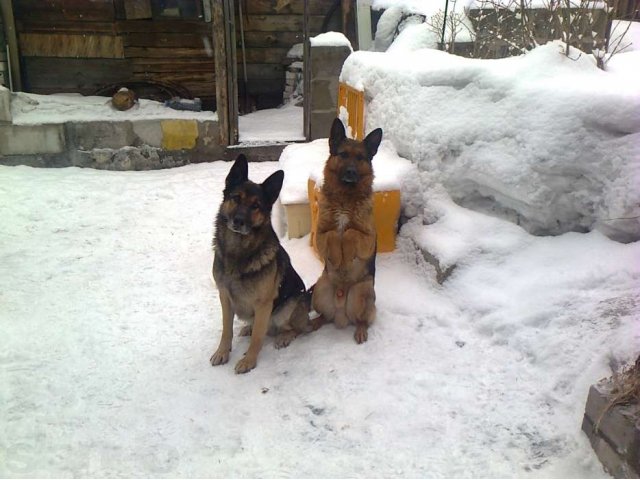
266 77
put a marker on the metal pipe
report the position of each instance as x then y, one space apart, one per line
444 23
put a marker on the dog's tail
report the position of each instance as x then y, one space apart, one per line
302 315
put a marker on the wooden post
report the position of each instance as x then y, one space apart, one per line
306 80
224 44
12 43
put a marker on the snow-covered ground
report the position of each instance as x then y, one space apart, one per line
30 109
272 125
108 318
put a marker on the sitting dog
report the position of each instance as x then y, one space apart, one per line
252 271
346 234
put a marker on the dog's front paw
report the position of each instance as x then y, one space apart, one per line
284 339
361 334
220 357
247 363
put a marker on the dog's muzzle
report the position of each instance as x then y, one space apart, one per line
350 175
238 224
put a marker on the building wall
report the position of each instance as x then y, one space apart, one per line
81 46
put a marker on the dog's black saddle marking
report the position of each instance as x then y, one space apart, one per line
291 284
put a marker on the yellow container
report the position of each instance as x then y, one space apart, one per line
386 213
353 101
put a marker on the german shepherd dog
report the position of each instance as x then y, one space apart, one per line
346 234
252 271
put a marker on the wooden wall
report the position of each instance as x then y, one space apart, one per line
82 45
271 28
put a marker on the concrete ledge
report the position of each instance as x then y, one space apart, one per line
148 132
179 134
31 139
616 440
90 135
139 145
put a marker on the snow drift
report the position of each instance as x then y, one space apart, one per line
548 142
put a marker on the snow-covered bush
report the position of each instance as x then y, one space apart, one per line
500 28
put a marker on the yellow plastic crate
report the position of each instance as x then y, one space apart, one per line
353 101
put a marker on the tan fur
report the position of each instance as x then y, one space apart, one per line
346 239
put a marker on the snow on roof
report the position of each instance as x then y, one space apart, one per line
302 162
330 39
32 109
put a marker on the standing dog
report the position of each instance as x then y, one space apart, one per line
346 234
252 271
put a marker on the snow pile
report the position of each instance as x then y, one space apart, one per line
547 141
414 37
330 39
32 109
302 162
109 317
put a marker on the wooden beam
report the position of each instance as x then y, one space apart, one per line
306 74
12 43
232 67
226 72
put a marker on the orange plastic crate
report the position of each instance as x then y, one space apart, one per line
353 101
386 213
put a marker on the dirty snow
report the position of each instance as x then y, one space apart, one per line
30 109
109 318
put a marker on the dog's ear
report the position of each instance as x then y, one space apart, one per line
337 136
239 172
271 187
372 142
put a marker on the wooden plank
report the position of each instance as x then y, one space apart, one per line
280 23
141 65
266 55
296 7
159 26
179 77
137 9
79 10
167 53
30 25
272 39
163 39
72 74
78 46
